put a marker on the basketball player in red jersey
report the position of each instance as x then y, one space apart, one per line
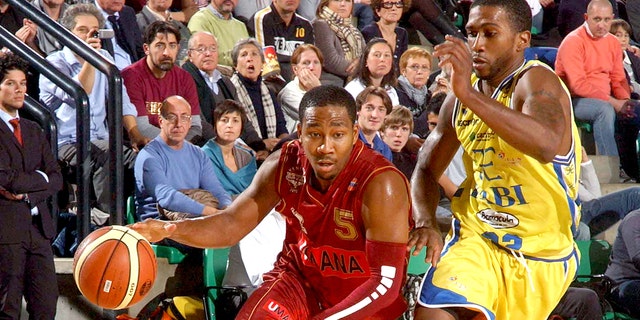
347 210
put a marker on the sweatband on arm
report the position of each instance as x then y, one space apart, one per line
387 262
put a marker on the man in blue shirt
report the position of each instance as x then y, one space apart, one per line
169 164
84 20
373 105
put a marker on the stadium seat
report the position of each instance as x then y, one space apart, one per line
544 54
417 265
215 266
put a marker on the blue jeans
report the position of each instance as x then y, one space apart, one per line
603 117
626 296
364 13
621 202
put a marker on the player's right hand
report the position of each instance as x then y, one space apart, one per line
154 230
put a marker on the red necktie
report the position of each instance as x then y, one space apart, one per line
16 129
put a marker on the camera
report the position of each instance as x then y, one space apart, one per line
104 34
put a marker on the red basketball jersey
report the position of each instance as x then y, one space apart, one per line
325 237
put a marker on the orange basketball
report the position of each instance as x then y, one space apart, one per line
114 267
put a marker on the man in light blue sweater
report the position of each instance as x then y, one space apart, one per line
169 164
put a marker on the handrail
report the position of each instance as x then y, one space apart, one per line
82 103
46 120
114 113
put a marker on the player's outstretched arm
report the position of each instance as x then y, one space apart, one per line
231 224
433 159
385 210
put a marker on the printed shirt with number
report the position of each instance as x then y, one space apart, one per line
509 197
325 238
271 30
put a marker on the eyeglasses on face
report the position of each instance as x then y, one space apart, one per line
416 68
389 5
174 117
202 50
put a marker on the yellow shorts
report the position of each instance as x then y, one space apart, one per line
476 274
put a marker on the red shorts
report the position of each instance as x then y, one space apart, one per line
281 296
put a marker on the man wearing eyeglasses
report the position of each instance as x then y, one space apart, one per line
280 26
156 77
213 87
169 164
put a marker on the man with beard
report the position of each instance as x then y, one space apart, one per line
510 253
156 77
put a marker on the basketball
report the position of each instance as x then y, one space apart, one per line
114 267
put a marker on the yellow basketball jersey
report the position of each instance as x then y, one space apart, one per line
509 197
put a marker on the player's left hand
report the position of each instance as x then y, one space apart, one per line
154 230
429 237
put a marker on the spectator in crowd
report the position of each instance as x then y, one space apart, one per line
47 43
218 20
389 13
281 27
590 63
158 10
578 303
29 176
622 30
395 132
633 14
170 164
415 68
428 18
594 204
375 68
235 167
624 268
363 13
213 87
126 45
156 77
83 20
373 105
307 61
571 14
261 105
338 40
245 9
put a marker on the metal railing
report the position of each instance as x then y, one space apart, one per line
114 109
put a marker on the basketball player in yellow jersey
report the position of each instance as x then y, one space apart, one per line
510 253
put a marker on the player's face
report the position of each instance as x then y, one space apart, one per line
496 48
417 71
287 6
432 121
250 62
12 90
371 115
342 7
623 37
176 123
204 52
396 136
228 127
84 23
379 60
327 135
162 51
599 20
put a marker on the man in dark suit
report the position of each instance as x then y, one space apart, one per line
213 87
29 174
126 45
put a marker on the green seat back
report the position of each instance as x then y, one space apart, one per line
215 266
